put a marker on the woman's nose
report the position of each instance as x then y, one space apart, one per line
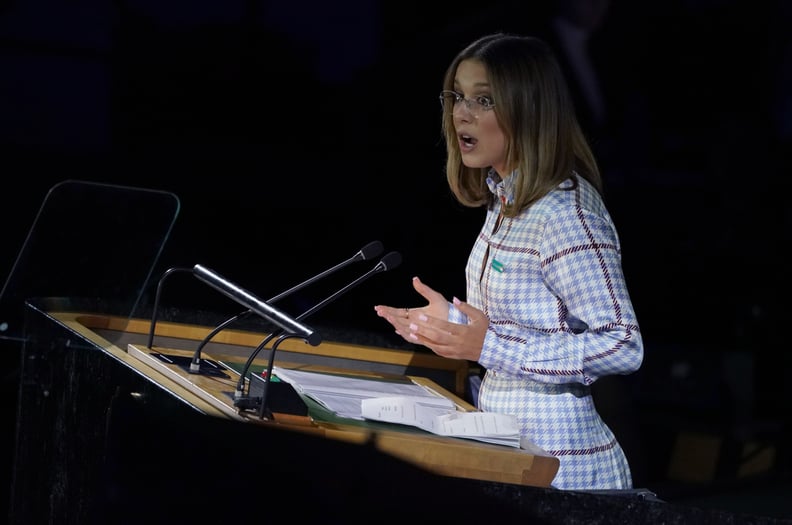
463 112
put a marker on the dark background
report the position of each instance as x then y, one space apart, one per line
295 132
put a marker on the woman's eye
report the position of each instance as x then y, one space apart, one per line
484 101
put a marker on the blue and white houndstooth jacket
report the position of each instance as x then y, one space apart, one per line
551 283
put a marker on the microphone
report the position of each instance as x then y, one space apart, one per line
251 302
369 251
388 262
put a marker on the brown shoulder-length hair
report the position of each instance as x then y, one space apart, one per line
544 141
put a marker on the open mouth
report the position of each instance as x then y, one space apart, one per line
466 142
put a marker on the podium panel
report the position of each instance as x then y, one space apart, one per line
443 455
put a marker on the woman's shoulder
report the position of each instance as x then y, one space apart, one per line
569 207
573 194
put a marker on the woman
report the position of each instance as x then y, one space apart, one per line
547 311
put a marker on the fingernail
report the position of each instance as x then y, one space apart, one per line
423 317
413 336
413 326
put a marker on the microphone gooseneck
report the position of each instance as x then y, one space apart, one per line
195 362
263 410
369 251
388 262
154 315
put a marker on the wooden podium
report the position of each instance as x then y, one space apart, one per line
447 456
114 428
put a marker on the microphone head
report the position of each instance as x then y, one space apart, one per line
390 261
370 251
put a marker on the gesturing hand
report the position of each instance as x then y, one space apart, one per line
428 325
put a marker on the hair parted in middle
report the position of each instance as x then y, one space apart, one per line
535 111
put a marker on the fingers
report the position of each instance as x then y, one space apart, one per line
427 291
426 330
471 312
399 318
404 319
392 314
428 327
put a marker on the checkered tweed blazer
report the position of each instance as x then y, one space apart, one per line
551 282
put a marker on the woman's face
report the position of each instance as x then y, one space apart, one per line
481 141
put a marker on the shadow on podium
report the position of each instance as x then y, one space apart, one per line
203 469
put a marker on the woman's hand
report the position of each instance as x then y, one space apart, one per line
429 326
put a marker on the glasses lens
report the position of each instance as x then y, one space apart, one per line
476 105
447 99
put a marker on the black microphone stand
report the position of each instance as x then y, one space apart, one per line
388 262
245 403
195 362
264 412
153 325
370 250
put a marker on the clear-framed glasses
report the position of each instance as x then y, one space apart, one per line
476 105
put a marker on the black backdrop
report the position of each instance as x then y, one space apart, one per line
296 132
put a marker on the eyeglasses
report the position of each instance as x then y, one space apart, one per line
476 105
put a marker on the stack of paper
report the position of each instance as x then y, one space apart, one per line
402 402
343 394
489 427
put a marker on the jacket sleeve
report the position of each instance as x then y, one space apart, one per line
597 333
